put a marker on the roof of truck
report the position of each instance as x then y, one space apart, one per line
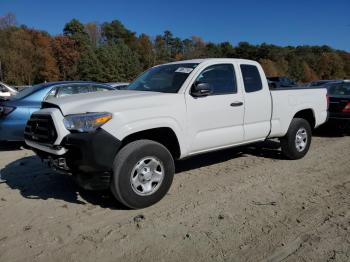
198 61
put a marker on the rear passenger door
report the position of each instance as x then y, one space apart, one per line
257 103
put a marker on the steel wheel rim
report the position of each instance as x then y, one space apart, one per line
147 176
301 139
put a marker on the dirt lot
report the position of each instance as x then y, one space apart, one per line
245 204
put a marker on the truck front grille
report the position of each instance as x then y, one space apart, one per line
40 128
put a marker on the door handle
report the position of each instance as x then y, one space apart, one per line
238 103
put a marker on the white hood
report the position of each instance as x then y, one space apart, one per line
115 101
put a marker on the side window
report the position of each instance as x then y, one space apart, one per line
97 88
221 78
81 89
52 93
251 78
67 90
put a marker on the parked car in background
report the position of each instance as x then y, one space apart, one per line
119 85
6 91
320 83
339 104
128 140
16 110
280 82
21 88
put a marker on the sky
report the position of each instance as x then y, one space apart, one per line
293 22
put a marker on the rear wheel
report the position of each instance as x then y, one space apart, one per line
143 172
296 143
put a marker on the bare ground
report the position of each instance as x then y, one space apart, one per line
245 204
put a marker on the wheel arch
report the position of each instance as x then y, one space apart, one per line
163 135
307 114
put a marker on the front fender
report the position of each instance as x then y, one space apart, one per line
121 130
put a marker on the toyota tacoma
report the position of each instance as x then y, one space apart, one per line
127 140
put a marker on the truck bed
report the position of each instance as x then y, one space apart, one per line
286 102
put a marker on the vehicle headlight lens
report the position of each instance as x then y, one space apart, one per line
5 110
88 122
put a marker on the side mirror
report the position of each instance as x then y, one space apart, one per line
201 89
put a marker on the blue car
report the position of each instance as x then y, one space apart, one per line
15 111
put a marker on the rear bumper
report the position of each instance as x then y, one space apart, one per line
339 119
85 152
12 130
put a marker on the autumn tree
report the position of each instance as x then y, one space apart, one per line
145 51
27 57
43 64
67 57
269 67
330 66
308 74
112 52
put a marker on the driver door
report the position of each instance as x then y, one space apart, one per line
216 120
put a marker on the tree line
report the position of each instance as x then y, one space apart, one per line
110 52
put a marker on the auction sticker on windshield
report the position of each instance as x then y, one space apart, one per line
185 70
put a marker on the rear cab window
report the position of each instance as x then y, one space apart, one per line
251 78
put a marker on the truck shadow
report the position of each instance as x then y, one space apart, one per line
330 131
34 180
10 146
266 149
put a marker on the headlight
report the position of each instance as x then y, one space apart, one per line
88 122
5 110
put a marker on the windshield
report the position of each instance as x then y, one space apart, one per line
165 78
27 91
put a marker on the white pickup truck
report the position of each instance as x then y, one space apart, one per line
127 140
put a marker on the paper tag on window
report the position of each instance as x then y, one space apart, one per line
185 70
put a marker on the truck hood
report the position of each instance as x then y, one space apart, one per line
113 101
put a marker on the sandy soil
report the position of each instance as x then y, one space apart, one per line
245 204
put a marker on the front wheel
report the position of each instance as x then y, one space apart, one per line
296 143
143 172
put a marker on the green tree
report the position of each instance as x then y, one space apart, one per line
118 63
76 31
116 32
89 66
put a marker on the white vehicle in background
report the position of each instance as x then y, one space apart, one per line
127 140
119 85
7 91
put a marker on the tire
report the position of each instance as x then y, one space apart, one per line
292 149
143 172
